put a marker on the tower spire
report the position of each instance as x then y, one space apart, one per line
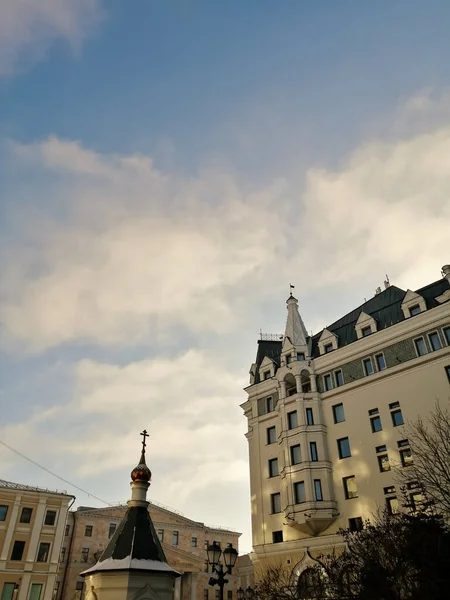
295 329
140 478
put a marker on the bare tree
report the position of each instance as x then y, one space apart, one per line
276 582
429 440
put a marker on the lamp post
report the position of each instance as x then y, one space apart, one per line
214 553
247 594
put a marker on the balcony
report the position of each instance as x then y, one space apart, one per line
311 517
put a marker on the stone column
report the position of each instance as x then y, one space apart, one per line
298 382
282 390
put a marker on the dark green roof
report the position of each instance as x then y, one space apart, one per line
385 308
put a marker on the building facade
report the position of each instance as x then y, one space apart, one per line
325 416
183 540
32 524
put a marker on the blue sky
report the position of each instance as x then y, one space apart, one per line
167 169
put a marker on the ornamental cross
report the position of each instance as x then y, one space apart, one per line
144 435
291 287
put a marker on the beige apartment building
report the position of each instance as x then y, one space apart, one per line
325 416
32 522
184 542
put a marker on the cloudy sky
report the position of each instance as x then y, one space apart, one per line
166 170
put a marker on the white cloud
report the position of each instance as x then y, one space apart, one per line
28 27
141 252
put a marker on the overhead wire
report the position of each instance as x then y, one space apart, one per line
53 474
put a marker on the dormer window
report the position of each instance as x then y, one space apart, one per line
414 310
267 375
300 356
365 325
288 359
413 304
328 341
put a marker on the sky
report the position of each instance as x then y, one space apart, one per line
167 169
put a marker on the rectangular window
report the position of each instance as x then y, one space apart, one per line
17 551
355 524
175 537
67 531
275 503
295 455
277 537
88 531
271 435
397 417
417 501
160 533
328 348
379 449
392 505
79 586
350 489
381 363
313 451
35 591
3 512
206 594
50 517
368 367
309 416
365 331
406 457
446 332
43 552
288 359
383 463
327 382
273 467
7 591
299 492
344 447
267 375
300 356
339 377
318 490
375 423
447 370
25 516
421 349
112 529
389 490
194 542
206 544
269 404
292 420
230 595
63 554
338 413
414 310
84 554
435 341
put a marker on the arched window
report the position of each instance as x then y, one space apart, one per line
305 380
310 584
291 386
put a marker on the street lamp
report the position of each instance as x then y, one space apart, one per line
247 594
214 553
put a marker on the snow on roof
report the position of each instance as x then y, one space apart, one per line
127 563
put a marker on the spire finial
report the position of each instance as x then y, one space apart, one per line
291 287
144 443
142 472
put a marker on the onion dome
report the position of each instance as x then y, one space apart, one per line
141 472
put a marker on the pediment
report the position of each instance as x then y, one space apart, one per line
287 345
364 318
327 335
411 296
267 362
